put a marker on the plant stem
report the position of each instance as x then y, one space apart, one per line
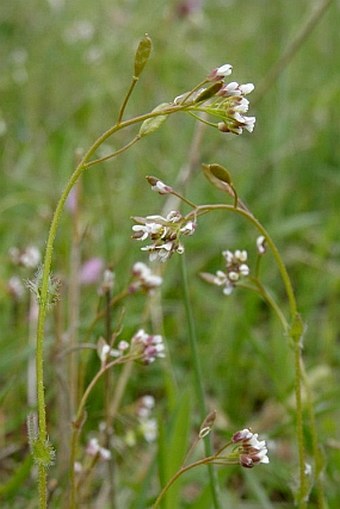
44 289
198 379
294 334
77 424
181 471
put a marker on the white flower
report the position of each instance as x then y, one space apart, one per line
149 347
148 428
224 70
164 232
261 244
93 449
220 72
146 279
246 88
189 228
249 123
235 268
158 186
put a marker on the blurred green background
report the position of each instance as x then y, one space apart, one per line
64 69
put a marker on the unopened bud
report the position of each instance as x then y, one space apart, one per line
159 186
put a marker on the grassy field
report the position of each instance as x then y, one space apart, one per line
65 68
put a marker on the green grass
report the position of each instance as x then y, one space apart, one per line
59 94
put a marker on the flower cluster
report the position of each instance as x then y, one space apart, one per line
147 424
251 451
236 267
29 257
144 279
226 101
148 347
94 449
105 351
164 233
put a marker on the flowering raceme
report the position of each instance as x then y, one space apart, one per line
226 101
236 267
251 450
164 232
149 347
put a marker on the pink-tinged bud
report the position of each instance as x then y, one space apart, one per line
246 461
220 72
240 436
158 186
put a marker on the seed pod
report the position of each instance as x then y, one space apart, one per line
142 54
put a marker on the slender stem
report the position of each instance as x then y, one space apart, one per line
203 461
198 379
296 337
318 461
183 199
203 120
114 154
281 266
271 302
77 424
127 97
44 289
42 479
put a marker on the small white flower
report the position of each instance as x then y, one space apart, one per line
224 70
220 72
261 244
246 88
148 401
93 449
148 428
105 351
189 228
146 279
244 269
158 186
123 346
249 123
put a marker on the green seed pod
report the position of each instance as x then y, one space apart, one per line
142 54
209 92
220 172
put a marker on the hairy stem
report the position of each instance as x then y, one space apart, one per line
44 288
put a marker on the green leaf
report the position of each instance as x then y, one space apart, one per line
142 54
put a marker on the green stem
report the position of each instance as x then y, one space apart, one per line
198 379
127 97
182 470
44 289
114 154
77 424
296 337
